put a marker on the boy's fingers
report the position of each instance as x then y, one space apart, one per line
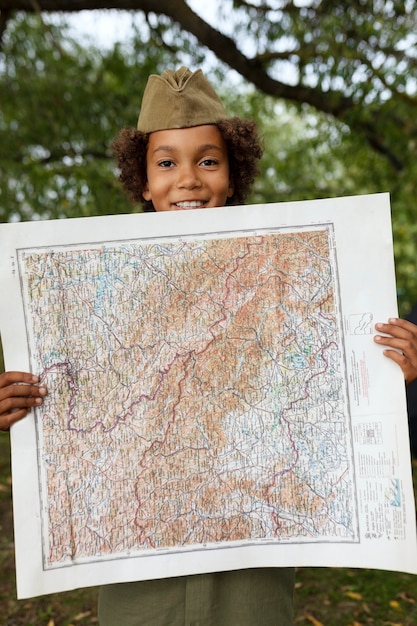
401 335
17 390
17 397
398 328
18 402
9 378
7 420
409 371
408 351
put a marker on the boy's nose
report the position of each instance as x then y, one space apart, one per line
188 178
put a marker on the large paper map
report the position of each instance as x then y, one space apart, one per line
200 398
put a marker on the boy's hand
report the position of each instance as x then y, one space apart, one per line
19 392
402 345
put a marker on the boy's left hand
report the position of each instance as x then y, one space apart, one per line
401 343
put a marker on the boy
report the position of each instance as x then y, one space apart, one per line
187 154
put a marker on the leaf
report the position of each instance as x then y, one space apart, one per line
81 616
406 598
313 620
353 595
394 604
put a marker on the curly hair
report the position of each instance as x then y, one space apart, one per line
244 150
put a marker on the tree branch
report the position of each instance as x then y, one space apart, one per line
223 46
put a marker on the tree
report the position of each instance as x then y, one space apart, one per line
342 122
355 61
62 105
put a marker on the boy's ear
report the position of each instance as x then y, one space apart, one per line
146 193
230 190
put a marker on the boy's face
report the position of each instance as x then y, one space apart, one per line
187 168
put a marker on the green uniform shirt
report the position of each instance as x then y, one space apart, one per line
254 597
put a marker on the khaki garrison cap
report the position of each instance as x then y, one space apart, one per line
179 99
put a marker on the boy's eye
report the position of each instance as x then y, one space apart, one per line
208 162
165 163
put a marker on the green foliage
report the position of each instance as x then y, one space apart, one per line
62 103
61 107
361 48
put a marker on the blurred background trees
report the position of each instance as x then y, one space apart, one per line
333 88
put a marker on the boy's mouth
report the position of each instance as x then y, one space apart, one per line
190 204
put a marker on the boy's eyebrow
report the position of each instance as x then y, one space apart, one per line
209 146
203 148
164 149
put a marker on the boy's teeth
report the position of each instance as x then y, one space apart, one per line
193 205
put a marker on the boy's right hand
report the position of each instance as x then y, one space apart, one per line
19 391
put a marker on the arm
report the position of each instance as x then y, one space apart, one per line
19 392
400 338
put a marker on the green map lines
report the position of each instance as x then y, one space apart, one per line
196 393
